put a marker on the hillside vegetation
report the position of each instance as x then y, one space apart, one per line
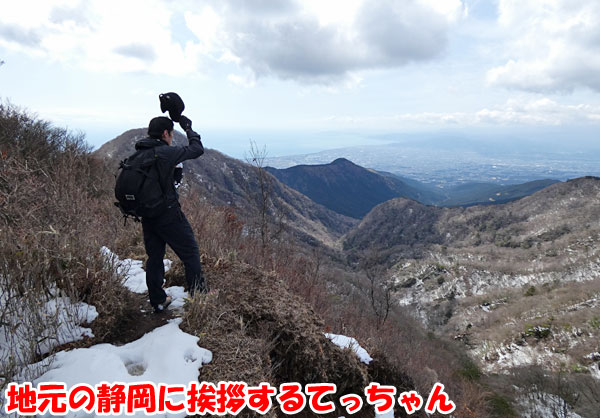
55 213
277 288
518 284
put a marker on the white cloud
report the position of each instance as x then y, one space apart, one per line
243 81
313 41
205 24
99 35
143 52
515 112
19 35
552 45
454 10
337 12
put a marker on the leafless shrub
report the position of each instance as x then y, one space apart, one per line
54 217
378 289
557 392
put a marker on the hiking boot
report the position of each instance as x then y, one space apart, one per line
162 306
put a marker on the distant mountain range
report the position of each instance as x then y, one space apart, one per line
471 194
449 160
325 190
347 188
352 190
401 227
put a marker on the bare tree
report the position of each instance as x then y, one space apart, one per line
312 277
270 219
262 196
558 392
379 288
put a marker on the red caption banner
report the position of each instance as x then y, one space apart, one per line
205 398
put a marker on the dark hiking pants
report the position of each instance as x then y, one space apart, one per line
174 229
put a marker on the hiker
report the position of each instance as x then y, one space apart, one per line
171 226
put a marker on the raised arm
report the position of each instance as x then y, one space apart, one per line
194 149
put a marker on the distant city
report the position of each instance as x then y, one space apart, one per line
444 165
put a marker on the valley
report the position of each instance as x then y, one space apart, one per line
515 283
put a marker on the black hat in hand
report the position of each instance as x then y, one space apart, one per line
171 102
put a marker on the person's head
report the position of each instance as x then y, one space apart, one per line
161 128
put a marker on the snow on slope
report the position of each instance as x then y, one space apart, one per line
165 355
344 342
135 276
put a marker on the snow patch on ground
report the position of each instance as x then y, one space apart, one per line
503 358
165 355
63 320
595 370
135 279
480 282
178 296
544 405
344 342
69 317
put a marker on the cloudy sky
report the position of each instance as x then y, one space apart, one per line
307 75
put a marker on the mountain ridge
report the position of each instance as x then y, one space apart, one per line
493 276
490 220
352 190
345 187
225 181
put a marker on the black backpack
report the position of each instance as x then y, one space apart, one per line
138 189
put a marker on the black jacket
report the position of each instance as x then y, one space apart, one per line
169 157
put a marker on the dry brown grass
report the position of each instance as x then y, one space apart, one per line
255 306
54 216
262 325
259 332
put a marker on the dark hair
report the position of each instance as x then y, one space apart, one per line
158 125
